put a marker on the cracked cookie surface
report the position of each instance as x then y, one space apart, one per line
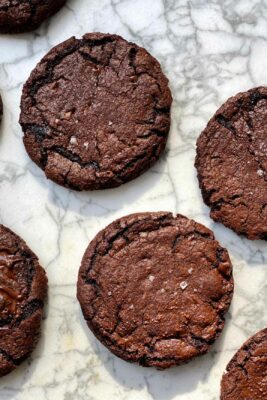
96 112
245 376
25 15
154 288
23 288
232 164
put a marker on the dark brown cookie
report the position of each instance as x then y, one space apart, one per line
23 287
154 288
95 112
26 15
246 376
1 108
232 163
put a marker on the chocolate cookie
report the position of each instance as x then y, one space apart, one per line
26 15
1 108
232 163
246 376
23 287
95 112
154 288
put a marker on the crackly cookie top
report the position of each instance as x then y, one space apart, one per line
13 286
154 288
95 112
232 164
246 374
25 15
23 287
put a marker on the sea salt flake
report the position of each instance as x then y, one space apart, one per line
183 285
260 172
109 293
86 144
131 307
68 115
73 140
151 278
162 290
110 123
190 270
143 234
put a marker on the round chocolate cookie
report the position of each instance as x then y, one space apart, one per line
246 376
95 112
23 287
232 163
26 15
154 288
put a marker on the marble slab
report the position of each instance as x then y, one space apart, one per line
209 49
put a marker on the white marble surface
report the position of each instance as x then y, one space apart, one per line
210 49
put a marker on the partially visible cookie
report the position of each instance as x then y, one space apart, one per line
95 112
246 374
26 15
23 289
1 108
154 288
232 164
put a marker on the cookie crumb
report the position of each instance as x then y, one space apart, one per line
73 140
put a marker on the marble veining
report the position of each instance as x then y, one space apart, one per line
210 50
